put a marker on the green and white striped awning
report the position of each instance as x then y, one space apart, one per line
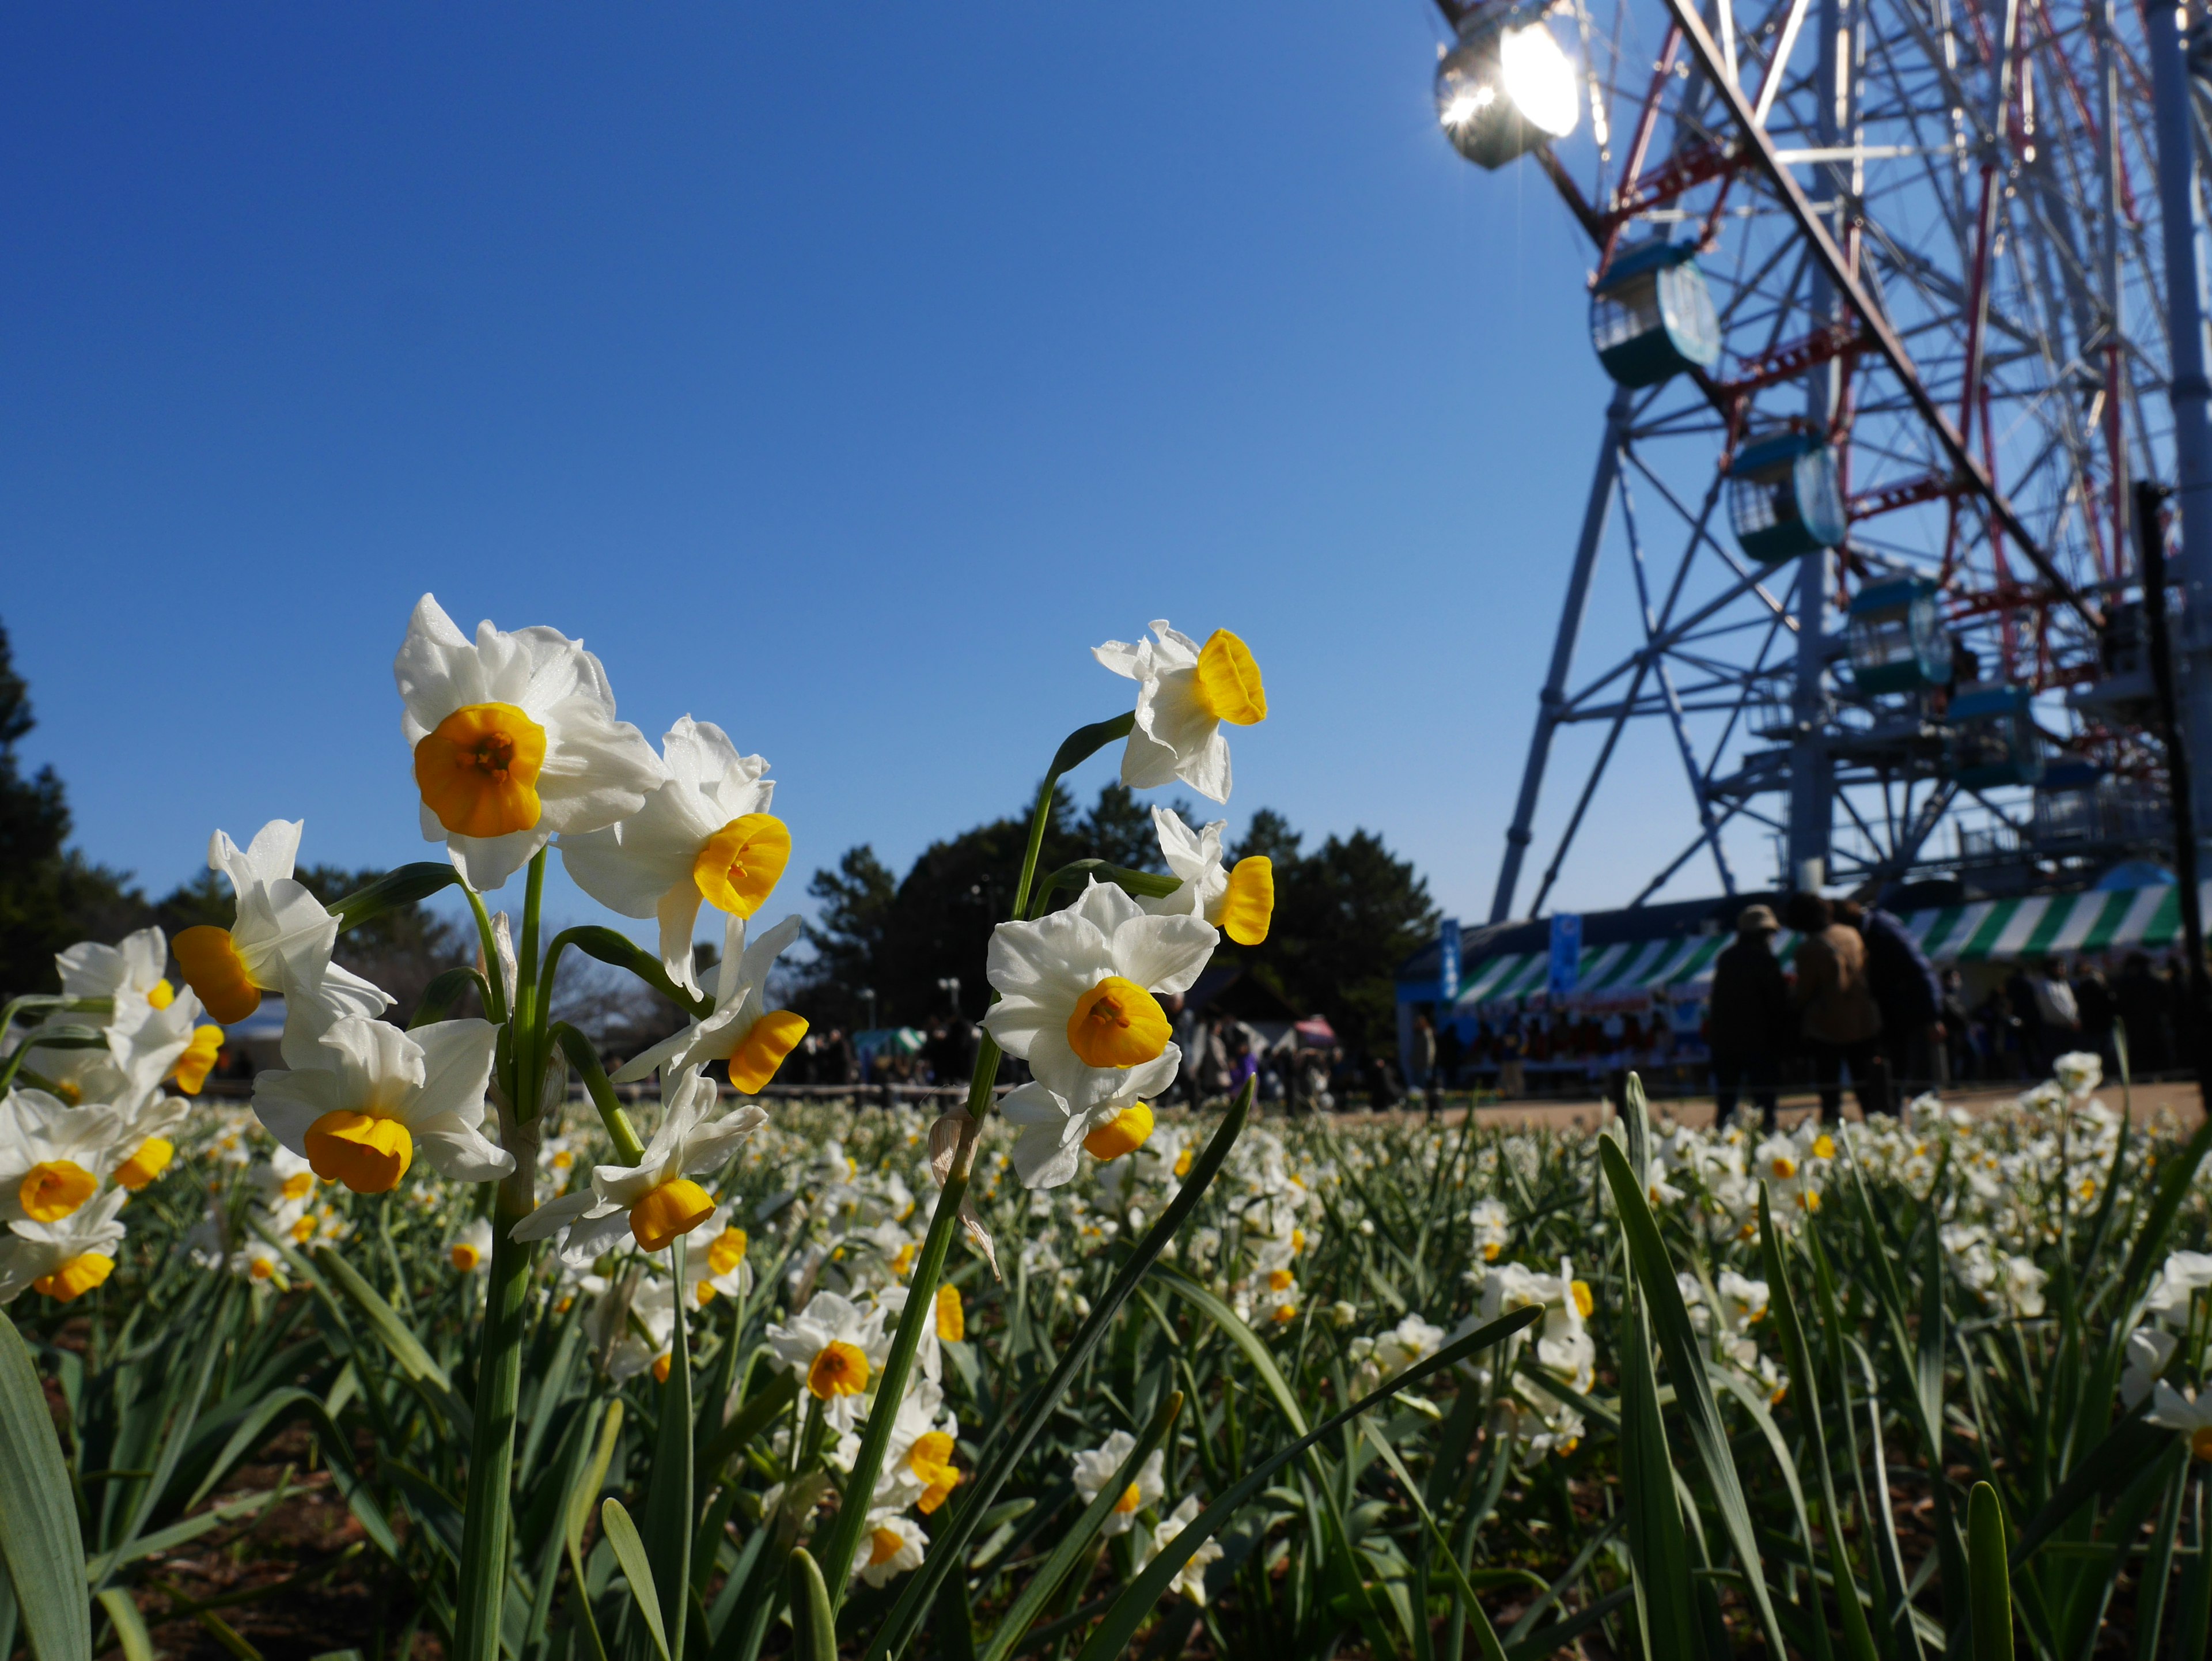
2051 925
1645 965
2042 925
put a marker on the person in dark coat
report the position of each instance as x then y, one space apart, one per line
1958 1034
2092 996
1908 993
2141 999
2181 1015
1749 1016
2027 1023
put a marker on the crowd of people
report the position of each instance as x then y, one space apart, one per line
1219 1053
1860 1008
1864 1004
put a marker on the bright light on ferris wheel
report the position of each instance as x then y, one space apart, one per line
1501 92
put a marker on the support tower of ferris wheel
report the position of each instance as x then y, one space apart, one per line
1895 323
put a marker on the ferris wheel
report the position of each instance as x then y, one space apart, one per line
1882 287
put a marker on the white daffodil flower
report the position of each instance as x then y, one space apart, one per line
143 1131
929 1357
1412 1341
743 1029
2191 1414
918 1469
1492 1222
284 1176
1241 903
1097 1467
654 1201
135 963
314 1007
2150 1348
145 1044
2080 1072
836 1348
654 1306
1185 693
54 1157
1079 991
706 836
896 1545
1052 1132
150 1028
2180 1278
381 1095
1190 1579
257 1260
471 1250
729 1268
65 1259
282 939
515 742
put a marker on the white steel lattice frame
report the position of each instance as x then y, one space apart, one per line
1983 337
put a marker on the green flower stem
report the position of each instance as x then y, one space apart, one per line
922 1290
890 1389
1146 883
629 1147
488 1522
530 1037
1077 748
495 1011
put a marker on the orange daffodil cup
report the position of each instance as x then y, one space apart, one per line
1079 995
1186 693
658 1200
514 742
377 1099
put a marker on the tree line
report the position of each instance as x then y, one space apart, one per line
1346 913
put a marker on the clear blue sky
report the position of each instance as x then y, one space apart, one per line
838 374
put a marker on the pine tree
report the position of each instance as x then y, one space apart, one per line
50 895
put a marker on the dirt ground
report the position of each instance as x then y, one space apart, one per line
2143 1103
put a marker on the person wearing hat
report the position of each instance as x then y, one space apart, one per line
1749 1016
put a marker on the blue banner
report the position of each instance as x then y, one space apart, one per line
1448 963
1566 953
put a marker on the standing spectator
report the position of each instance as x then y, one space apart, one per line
1836 1010
2141 999
1215 1072
2180 1015
2027 1022
1512 1051
1907 992
2058 1016
2092 996
1421 1060
1959 1046
1997 1032
1383 1089
838 1066
1750 1018
1450 1053
1242 1063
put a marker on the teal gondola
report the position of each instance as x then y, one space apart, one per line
1651 316
1785 497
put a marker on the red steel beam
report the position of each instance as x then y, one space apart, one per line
1884 338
